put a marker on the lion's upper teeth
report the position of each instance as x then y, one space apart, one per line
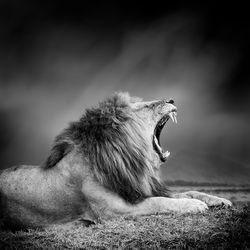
157 144
173 117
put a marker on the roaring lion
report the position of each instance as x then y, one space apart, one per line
104 165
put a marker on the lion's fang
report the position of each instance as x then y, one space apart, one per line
166 154
171 115
175 117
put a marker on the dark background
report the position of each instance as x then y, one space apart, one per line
58 58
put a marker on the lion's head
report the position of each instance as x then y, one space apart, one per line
120 141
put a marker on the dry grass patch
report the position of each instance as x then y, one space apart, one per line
217 228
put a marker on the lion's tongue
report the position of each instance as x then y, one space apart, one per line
165 155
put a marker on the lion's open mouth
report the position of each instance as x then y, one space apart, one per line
157 132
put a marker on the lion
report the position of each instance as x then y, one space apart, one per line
105 165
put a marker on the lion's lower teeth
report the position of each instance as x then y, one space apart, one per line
166 154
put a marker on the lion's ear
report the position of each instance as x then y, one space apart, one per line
58 152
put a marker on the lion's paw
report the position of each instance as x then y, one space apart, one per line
217 201
209 199
192 206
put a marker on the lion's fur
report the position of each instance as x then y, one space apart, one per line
101 166
111 138
107 148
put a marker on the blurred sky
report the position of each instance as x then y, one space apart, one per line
58 58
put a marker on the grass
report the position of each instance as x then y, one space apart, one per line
218 228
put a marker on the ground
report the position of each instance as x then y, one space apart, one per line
217 228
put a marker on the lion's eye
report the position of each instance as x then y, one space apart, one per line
152 105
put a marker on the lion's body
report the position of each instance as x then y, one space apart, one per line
99 167
36 197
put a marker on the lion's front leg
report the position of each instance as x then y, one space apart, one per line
161 205
109 207
210 200
107 204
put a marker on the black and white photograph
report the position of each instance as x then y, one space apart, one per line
124 125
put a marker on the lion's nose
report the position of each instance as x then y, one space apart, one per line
171 101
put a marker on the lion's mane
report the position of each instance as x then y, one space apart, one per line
111 139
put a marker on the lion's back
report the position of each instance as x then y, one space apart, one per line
17 176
